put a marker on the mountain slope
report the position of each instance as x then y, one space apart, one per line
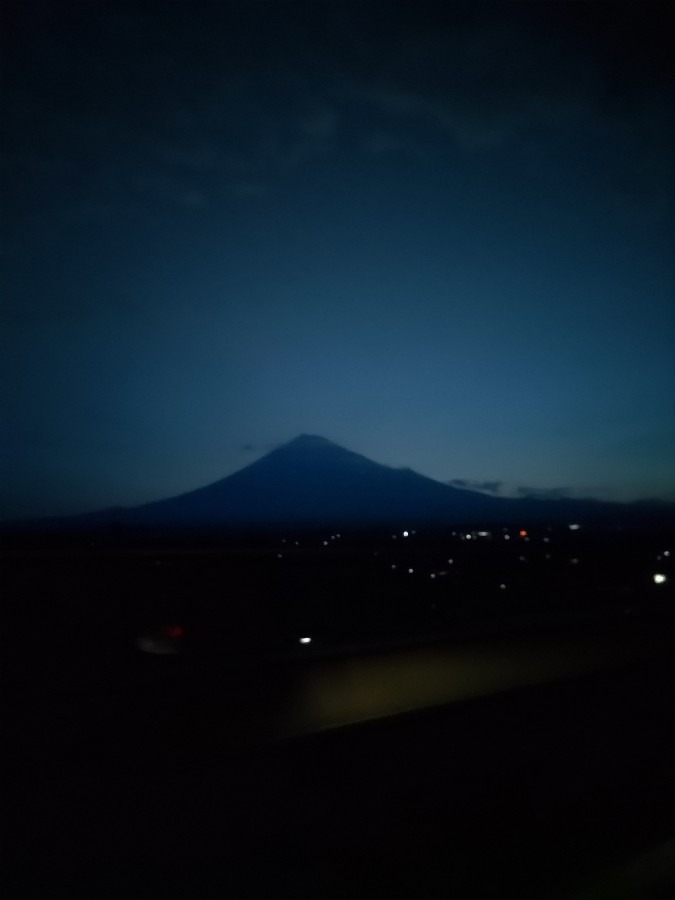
312 480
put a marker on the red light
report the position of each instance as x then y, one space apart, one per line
174 631
523 533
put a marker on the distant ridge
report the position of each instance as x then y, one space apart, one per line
311 481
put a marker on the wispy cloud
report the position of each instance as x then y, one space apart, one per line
488 487
242 105
557 493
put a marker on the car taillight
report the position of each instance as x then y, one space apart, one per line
174 631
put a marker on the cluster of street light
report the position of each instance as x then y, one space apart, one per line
658 578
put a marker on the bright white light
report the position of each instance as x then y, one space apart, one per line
502 587
410 571
574 527
483 534
433 575
405 534
659 578
450 562
468 537
666 553
306 640
507 537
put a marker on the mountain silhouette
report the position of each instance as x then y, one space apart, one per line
311 481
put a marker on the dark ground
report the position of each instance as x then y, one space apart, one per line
152 776
529 793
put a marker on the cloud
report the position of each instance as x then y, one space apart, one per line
320 124
488 487
264 447
251 96
481 84
557 493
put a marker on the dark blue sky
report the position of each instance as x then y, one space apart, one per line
438 234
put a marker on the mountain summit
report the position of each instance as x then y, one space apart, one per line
309 441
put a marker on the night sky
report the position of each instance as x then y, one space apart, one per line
438 234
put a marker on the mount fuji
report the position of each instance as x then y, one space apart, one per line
312 482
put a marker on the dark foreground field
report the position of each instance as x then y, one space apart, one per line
541 791
530 762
